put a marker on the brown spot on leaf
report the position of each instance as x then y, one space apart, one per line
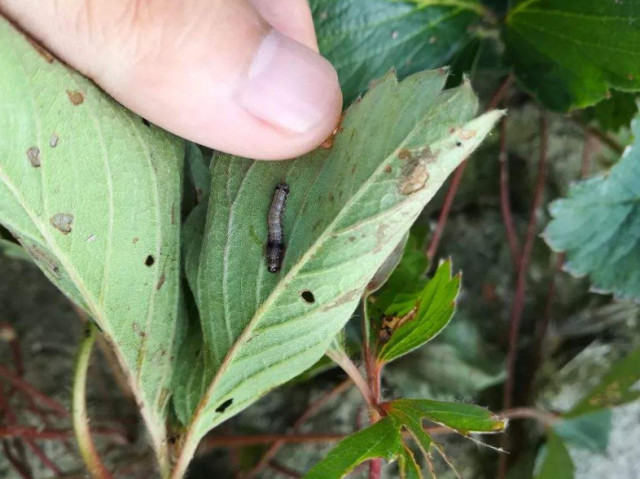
161 281
353 169
173 213
62 222
328 143
388 169
53 141
33 155
346 298
414 171
404 154
137 330
467 134
415 179
41 50
76 97
135 240
630 77
44 259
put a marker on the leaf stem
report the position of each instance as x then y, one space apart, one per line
86 445
348 366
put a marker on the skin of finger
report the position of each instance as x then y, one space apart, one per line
291 17
174 63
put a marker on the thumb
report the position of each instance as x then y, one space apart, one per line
227 74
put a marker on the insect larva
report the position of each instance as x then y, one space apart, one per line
275 236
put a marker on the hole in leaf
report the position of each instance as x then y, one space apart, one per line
308 296
149 261
223 407
458 143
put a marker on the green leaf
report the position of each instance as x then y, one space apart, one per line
615 112
197 173
348 208
555 460
598 226
463 418
383 439
13 250
435 306
569 53
364 39
93 194
615 389
589 431
407 464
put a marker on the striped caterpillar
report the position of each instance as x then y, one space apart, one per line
275 235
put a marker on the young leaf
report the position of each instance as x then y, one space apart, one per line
364 39
435 306
464 418
570 53
93 194
383 439
556 461
598 226
615 389
347 209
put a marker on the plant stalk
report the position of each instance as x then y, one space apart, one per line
79 416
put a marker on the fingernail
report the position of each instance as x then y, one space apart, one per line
288 85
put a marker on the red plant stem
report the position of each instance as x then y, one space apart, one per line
521 284
446 208
12 420
505 202
587 151
29 432
15 462
24 386
237 441
522 268
374 374
311 410
375 468
543 326
457 177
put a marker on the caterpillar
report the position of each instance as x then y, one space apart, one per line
275 235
